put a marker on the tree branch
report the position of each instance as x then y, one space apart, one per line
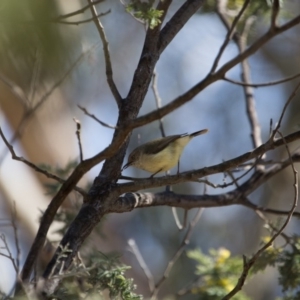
109 72
211 78
144 183
257 85
175 24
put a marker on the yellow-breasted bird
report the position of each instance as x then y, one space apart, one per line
160 154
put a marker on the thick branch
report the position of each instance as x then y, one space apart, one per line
180 18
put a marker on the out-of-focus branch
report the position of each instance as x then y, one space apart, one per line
257 85
30 112
230 29
79 11
241 42
135 250
109 72
274 14
81 21
248 90
182 246
157 101
293 94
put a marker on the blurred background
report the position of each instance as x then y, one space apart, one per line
48 68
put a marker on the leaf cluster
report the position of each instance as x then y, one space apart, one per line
106 275
217 274
145 12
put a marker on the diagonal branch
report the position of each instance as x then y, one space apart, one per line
95 118
275 12
257 85
230 29
175 24
109 72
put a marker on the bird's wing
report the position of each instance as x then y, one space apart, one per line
154 148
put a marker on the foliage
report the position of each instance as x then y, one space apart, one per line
217 274
145 12
105 274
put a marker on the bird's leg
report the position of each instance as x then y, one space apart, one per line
155 173
178 167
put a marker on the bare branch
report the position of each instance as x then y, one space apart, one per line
175 24
78 129
158 101
230 29
184 243
292 96
109 72
9 255
135 250
33 166
248 90
257 85
81 21
79 11
96 119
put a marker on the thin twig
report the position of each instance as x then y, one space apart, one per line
292 96
230 30
135 250
158 101
109 72
79 11
176 218
184 243
35 75
78 129
9 255
258 85
96 119
33 166
82 21
15 229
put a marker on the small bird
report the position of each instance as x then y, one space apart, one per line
160 154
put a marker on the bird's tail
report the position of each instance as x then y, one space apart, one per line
199 132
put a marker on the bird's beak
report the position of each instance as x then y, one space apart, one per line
126 166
